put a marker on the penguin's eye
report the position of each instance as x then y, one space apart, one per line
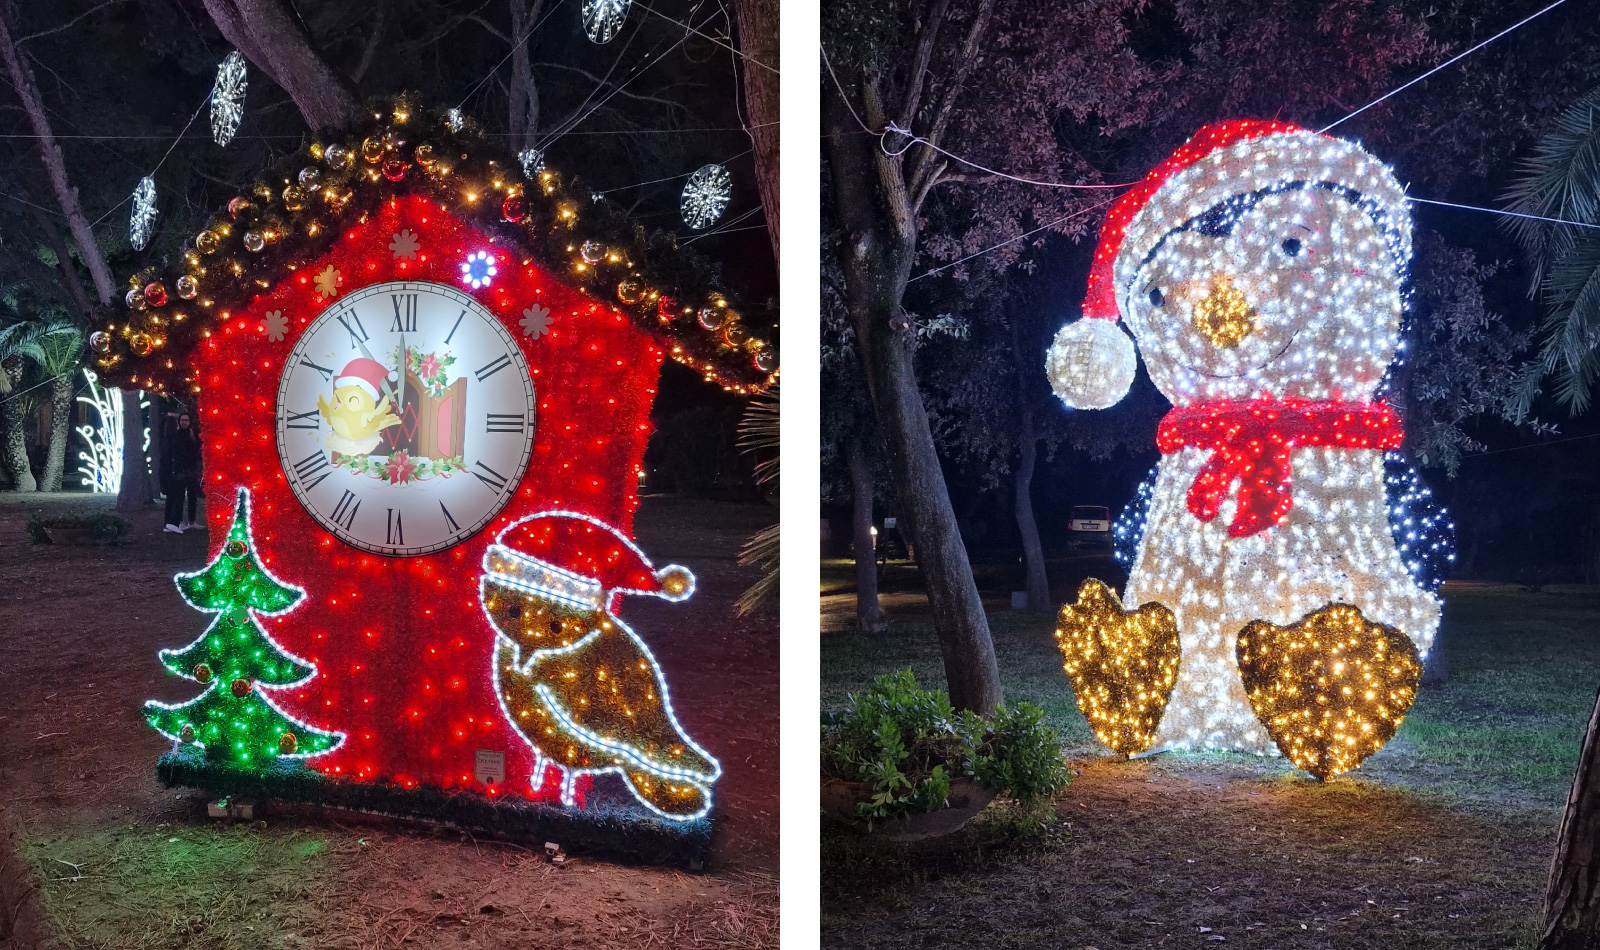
1156 298
1291 247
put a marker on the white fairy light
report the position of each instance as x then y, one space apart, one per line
227 98
706 195
532 161
603 19
143 220
102 468
1264 273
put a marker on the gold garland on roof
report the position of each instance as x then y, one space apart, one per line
293 216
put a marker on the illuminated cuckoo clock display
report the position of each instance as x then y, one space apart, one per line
424 381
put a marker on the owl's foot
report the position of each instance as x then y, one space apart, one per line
1123 664
673 798
1332 688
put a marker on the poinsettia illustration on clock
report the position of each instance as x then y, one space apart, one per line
405 417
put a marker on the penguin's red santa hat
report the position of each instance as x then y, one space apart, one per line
1223 162
579 559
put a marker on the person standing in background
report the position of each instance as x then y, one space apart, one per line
180 472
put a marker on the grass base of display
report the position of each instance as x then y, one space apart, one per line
611 824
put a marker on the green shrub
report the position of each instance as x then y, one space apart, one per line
107 527
907 743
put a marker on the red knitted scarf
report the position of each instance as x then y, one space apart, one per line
1251 442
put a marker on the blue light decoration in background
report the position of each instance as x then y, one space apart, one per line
1422 529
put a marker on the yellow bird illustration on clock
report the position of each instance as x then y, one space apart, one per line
358 414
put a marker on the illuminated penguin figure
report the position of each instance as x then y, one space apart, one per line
574 680
1260 270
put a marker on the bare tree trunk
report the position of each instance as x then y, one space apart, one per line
14 449
1038 584
758 41
273 39
22 83
1572 905
60 420
868 615
523 94
135 492
876 257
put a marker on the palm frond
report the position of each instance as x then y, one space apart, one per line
758 433
1560 180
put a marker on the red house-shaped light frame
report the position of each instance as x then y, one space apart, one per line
402 648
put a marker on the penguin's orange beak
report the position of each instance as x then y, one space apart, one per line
1223 315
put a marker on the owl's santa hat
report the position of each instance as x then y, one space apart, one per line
579 560
1223 161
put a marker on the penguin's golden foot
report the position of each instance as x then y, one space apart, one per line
1122 663
674 798
1332 688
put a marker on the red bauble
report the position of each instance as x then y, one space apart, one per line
155 294
514 209
394 169
241 688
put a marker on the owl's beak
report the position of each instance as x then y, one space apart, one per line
1223 315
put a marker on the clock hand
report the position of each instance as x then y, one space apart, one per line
388 388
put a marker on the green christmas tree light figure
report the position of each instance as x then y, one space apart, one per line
234 720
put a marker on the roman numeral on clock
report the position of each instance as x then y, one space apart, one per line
489 369
453 328
345 513
405 313
302 420
314 464
395 533
449 520
355 338
327 374
494 479
506 422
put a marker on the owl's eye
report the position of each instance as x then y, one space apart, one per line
1156 298
1291 247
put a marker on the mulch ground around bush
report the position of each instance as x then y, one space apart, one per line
120 862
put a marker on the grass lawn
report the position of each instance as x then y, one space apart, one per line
1442 839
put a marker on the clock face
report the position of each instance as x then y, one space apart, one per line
405 418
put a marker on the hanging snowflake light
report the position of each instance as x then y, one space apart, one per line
143 221
603 19
454 120
532 160
705 196
227 98
478 270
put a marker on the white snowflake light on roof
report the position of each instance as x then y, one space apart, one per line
454 120
603 19
227 98
706 195
478 270
143 220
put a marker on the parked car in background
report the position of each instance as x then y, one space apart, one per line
1089 526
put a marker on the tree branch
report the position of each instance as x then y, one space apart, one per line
372 44
920 63
923 163
69 24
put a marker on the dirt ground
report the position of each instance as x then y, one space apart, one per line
126 864
1441 840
